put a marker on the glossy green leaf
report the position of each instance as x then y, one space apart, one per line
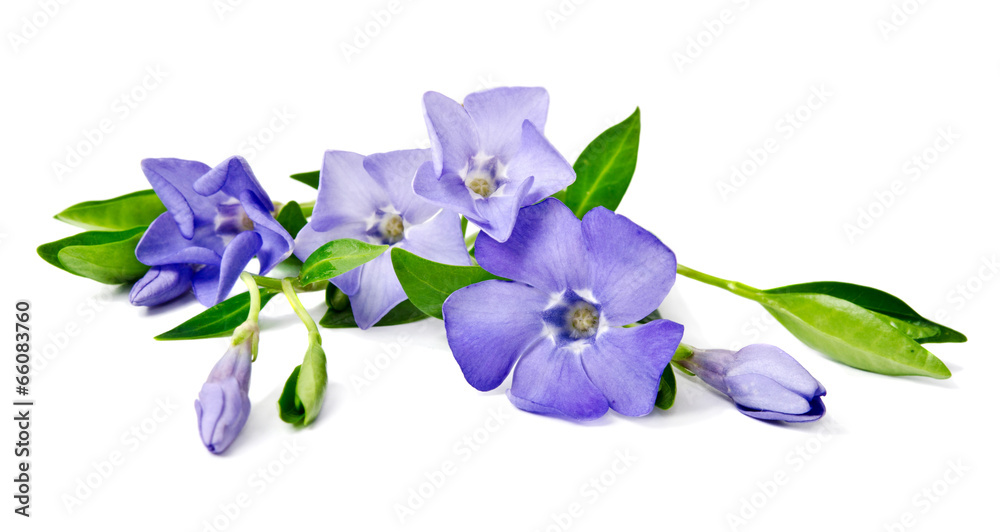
605 168
852 335
668 389
428 283
900 315
343 318
309 178
337 257
291 218
137 209
104 256
220 320
302 397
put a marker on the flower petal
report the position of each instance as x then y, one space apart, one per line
817 410
544 250
439 239
378 292
499 211
173 179
309 240
454 139
448 191
758 392
627 363
277 243
552 381
772 362
161 284
232 177
213 283
163 243
347 193
539 159
498 115
489 325
631 271
394 171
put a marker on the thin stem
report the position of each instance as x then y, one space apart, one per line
286 287
254 292
739 289
271 283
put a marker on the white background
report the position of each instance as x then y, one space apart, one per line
884 441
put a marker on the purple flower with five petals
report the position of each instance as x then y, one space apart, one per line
371 199
217 219
490 156
764 382
575 286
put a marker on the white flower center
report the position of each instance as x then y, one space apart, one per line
582 320
484 176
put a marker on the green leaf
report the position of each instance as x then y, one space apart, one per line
604 169
220 320
402 313
309 178
104 256
302 397
291 218
668 389
901 315
853 335
655 315
337 257
428 283
137 209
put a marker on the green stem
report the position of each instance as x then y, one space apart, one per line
286 287
254 292
271 283
739 289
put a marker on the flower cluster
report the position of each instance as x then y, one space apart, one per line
537 279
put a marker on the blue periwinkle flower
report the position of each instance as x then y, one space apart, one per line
217 219
764 382
490 156
575 285
223 404
371 199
